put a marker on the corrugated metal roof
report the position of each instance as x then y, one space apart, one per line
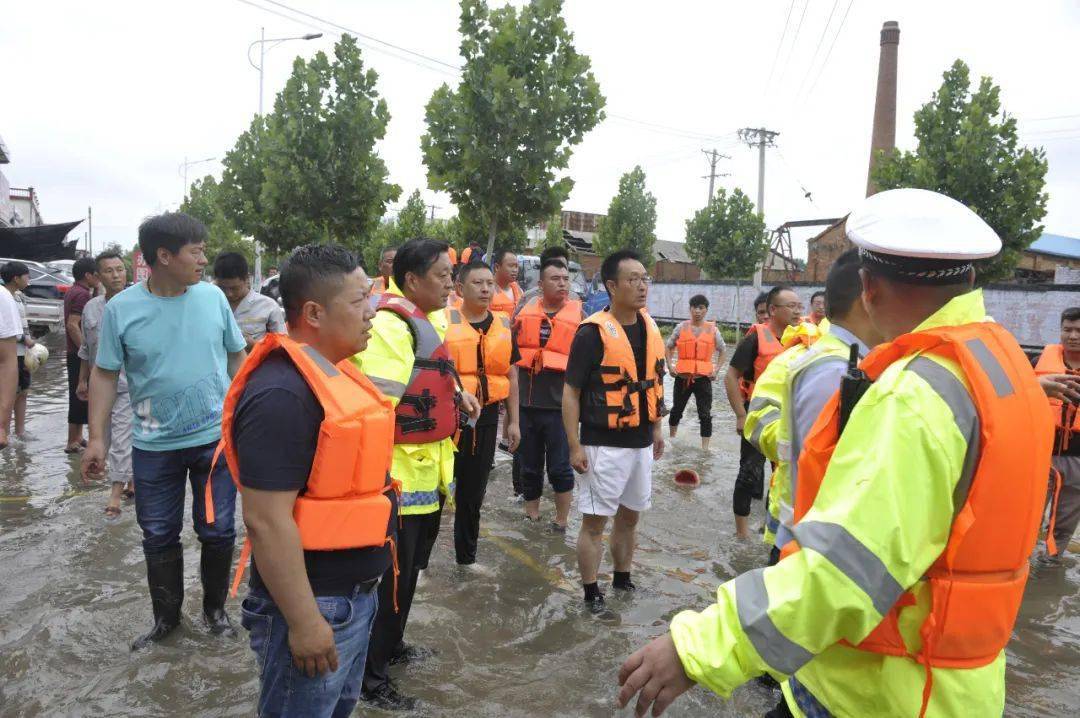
671 251
1056 245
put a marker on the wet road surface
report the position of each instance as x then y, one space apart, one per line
511 638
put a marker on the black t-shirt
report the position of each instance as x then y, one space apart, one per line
745 353
543 390
586 353
276 431
490 413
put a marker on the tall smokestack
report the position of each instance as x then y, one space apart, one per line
884 134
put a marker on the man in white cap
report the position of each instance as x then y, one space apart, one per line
919 497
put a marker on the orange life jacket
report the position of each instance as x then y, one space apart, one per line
696 352
768 348
502 303
345 504
452 253
378 286
494 346
611 397
427 411
556 352
977 583
1052 361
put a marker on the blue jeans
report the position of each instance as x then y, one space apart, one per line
161 479
287 691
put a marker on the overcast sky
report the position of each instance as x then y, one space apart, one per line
103 101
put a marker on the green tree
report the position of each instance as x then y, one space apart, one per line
205 202
631 219
553 234
968 149
727 238
412 219
309 172
526 97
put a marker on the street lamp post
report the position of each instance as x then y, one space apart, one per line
184 169
261 42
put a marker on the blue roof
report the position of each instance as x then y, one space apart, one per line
1056 245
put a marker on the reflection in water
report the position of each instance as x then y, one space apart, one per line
511 641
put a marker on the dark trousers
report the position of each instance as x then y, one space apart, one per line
515 474
701 389
472 466
543 440
161 480
77 408
415 539
750 483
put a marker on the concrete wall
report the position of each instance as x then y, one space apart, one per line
1031 313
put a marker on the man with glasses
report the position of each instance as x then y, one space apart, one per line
615 390
759 347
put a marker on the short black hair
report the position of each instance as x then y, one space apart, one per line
170 231
761 298
313 273
609 268
843 286
699 300
555 253
387 248
500 254
107 254
770 298
820 293
12 270
417 256
1071 314
552 262
466 269
82 267
231 265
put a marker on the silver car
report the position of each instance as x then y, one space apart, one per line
44 296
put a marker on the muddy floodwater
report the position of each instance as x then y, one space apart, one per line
512 639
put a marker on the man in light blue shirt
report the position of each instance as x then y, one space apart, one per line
177 341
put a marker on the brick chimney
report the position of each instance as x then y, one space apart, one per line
884 132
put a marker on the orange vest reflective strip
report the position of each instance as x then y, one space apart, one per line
696 352
612 395
977 583
345 504
502 303
555 353
768 348
494 346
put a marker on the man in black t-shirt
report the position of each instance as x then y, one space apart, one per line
614 464
309 613
488 372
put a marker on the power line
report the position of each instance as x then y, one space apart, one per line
831 46
1047 119
794 40
779 46
667 129
820 42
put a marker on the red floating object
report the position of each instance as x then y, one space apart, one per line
687 477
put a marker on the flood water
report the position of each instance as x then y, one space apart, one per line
512 641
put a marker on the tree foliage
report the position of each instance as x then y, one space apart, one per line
205 202
309 172
631 219
727 238
553 234
526 97
968 149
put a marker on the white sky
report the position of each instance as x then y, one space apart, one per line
103 101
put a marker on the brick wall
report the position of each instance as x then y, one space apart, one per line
823 250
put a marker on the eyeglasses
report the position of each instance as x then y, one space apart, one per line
637 281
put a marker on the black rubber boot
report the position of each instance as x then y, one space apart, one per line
215 565
165 575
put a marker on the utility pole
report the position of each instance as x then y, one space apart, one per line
714 157
90 228
761 138
433 207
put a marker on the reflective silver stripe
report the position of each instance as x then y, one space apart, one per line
391 388
505 321
959 401
760 402
989 363
427 338
455 316
752 604
854 560
755 435
320 361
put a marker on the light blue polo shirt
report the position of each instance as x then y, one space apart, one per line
174 351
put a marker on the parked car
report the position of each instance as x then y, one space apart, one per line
44 296
529 274
595 297
63 266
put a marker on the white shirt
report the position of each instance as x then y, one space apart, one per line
258 314
10 321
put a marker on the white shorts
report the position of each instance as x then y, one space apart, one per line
616 477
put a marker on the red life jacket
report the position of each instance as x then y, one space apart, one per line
427 411
977 583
